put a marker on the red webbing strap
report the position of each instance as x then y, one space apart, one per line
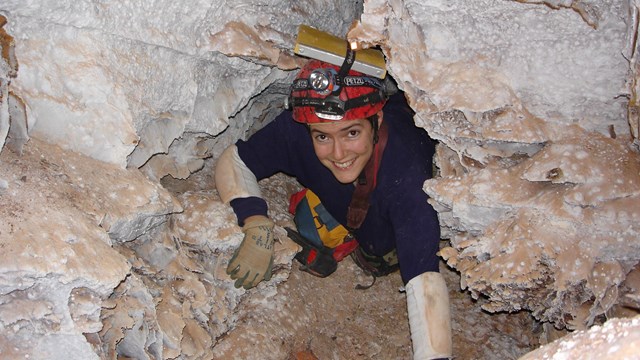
360 200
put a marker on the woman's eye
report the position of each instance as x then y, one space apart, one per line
321 137
354 133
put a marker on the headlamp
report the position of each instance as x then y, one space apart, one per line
323 81
326 82
332 107
331 94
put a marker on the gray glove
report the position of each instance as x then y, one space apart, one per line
253 259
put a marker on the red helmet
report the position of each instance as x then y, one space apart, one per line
319 94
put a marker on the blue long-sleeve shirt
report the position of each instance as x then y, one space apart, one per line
399 215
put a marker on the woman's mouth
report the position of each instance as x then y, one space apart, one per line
344 165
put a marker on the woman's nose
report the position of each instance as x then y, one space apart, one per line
338 150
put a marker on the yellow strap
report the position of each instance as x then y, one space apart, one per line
330 238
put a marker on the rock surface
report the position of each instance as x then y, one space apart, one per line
90 259
60 215
164 76
616 339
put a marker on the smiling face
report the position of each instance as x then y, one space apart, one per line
344 147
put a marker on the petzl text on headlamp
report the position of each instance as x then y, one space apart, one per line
322 46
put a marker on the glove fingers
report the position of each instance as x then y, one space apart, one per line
233 267
240 281
256 279
267 274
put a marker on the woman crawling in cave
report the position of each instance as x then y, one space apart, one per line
362 161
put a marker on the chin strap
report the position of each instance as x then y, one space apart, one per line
359 205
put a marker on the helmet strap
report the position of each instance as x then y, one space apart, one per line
349 59
367 181
373 119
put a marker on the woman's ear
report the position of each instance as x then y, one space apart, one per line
380 118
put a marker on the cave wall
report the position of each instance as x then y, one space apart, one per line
162 75
99 260
534 104
538 189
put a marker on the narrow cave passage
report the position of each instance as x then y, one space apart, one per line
114 242
306 317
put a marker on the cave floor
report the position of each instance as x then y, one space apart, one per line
314 318
328 318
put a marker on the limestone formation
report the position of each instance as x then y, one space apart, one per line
159 72
13 114
90 259
58 262
564 257
616 339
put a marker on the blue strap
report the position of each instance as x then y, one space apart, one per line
326 218
305 224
